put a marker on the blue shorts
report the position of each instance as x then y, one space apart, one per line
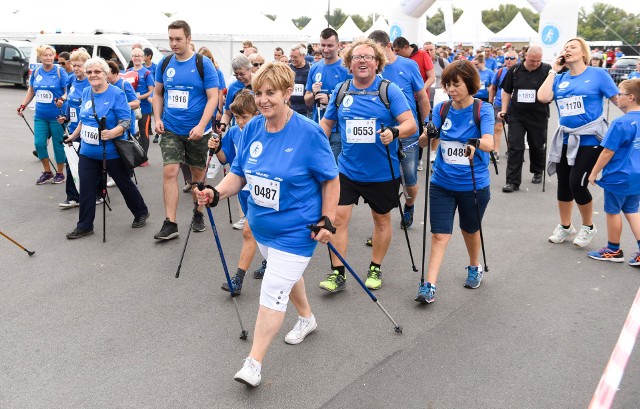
442 209
410 162
614 203
243 197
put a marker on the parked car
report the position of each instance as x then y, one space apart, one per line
14 61
623 67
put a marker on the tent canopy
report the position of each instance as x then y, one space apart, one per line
379 24
314 27
349 31
467 29
518 31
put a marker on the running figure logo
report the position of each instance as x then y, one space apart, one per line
550 34
255 149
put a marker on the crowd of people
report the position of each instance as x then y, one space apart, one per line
305 136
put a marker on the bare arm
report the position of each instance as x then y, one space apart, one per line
422 98
603 160
506 99
545 92
212 102
330 196
327 126
431 78
158 106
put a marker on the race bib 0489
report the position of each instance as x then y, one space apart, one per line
265 192
178 99
361 130
453 153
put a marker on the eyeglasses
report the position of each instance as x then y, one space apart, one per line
257 64
622 93
96 72
367 58
510 58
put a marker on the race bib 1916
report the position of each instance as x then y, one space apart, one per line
178 99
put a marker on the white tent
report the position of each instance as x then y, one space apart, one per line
468 29
379 24
314 27
518 31
285 26
349 31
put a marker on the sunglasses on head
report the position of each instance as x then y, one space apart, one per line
257 64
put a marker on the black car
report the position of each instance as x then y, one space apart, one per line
623 67
14 62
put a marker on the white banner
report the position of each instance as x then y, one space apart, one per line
558 24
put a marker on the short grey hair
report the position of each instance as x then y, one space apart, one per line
97 61
300 47
241 63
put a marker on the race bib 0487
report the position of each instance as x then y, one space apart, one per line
265 192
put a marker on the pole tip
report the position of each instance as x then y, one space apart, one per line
31 253
398 329
244 335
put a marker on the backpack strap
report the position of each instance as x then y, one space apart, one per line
444 111
341 92
165 62
200 65
384 93
477 106
441 62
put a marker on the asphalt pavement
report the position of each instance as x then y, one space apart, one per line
86 324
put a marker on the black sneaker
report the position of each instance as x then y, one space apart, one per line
155 139
198 221
168 231
140 221
77 233
236 282
537 178
259 273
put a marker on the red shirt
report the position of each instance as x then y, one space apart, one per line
424 61
611 58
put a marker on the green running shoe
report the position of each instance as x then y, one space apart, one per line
374 278
334 282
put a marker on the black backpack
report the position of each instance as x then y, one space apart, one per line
382 92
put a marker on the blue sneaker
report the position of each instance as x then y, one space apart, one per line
474 277
407 216
607 254
236 282
426 294
634 261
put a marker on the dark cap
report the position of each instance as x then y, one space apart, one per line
148 51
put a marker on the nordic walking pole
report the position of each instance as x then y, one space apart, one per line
224 171
34 134
101 127
397 328
30 253
432 133
404 227
243 333
475 197
544 167
214 135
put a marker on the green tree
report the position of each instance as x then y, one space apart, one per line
496 20
435 23
337 18
606 22
301 21
362 24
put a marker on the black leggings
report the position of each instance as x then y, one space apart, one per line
573 180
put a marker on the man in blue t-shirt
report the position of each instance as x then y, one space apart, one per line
323 78
495 98
405 73
489 62
186 96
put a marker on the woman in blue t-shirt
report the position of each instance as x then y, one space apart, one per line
286 160
486 76
103 100
452 184
48 85
579 93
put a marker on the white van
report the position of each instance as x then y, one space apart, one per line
106 45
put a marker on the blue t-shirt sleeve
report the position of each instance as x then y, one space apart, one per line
227 144
322 164
310 80
150 82
159 71
607 85
487 119
210 75
332 112
221 82
121 109
615 135
416 80
130 92
64 79
494 80
397 100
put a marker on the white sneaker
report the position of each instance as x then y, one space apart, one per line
250 373
110 182
420 166
560 234
432 156
239 225
303 327
68 204
99 201
585 235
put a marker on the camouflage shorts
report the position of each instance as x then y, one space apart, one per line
177 149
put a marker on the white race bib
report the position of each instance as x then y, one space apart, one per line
361 130
571 106
265 192
44 96
73 117
453 153
298 90
482 86
89 134
178 99
527 96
